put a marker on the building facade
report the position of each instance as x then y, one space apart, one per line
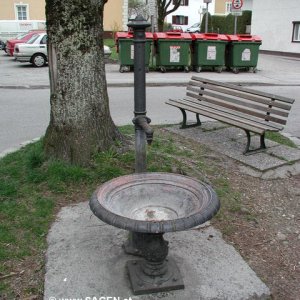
189 13
22 10
278 25
115 12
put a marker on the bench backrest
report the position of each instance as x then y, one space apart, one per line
265 106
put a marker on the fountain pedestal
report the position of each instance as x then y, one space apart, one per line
151 204
156 272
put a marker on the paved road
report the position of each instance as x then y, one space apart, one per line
24 95
24 113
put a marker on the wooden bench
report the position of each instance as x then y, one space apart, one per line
245 108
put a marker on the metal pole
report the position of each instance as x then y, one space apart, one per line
139 39
235 24
140 121
206 19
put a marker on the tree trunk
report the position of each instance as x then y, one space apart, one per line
80 121
160 23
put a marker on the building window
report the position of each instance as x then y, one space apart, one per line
21 11
182 2
296 32
228 6
180 20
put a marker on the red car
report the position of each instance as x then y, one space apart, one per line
23 38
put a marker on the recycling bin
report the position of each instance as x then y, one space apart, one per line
209 51
173 50
242 52
125 50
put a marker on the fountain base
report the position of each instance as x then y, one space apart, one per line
142 283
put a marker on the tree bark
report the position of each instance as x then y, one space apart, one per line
80 122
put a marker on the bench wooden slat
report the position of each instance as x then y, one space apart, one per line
223 117
264 123
235 113
264 102
242 89
236 108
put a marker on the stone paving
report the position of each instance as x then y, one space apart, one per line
278 161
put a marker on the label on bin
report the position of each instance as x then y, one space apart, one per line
132 51
246 55
175 54
211 53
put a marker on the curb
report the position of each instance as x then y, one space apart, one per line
21 145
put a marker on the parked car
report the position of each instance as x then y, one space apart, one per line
2 46
194 28
35 51
22 38
107 51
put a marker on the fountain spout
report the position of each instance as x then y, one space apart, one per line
142 122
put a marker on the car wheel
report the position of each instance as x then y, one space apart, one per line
38 60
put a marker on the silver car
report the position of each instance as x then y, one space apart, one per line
35 51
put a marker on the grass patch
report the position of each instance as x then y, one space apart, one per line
280 139
33 189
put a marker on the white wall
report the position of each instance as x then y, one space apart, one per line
272 20
247 5
192 11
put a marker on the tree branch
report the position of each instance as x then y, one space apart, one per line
176 5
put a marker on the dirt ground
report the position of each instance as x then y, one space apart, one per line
266 229
270 243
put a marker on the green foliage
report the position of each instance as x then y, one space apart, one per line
242 21
167 26
209 28
225 24
218 24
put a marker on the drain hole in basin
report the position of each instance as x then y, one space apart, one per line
154 213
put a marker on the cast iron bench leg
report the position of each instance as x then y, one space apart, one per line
184 125
260 149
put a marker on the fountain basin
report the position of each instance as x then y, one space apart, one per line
154 202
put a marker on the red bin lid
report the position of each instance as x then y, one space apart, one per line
129 35
172 35
244 38
209 36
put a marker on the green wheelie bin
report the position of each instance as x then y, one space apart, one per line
173 50
209 51
242 52
125 50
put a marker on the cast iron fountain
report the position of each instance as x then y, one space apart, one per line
150 204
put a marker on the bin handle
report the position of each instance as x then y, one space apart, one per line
211 34
173 33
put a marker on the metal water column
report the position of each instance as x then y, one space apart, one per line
143 131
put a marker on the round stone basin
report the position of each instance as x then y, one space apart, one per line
154 202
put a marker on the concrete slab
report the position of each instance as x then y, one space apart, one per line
285 152
85 259
229 142
275 162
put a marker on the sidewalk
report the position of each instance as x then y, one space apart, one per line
85 259
272 70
